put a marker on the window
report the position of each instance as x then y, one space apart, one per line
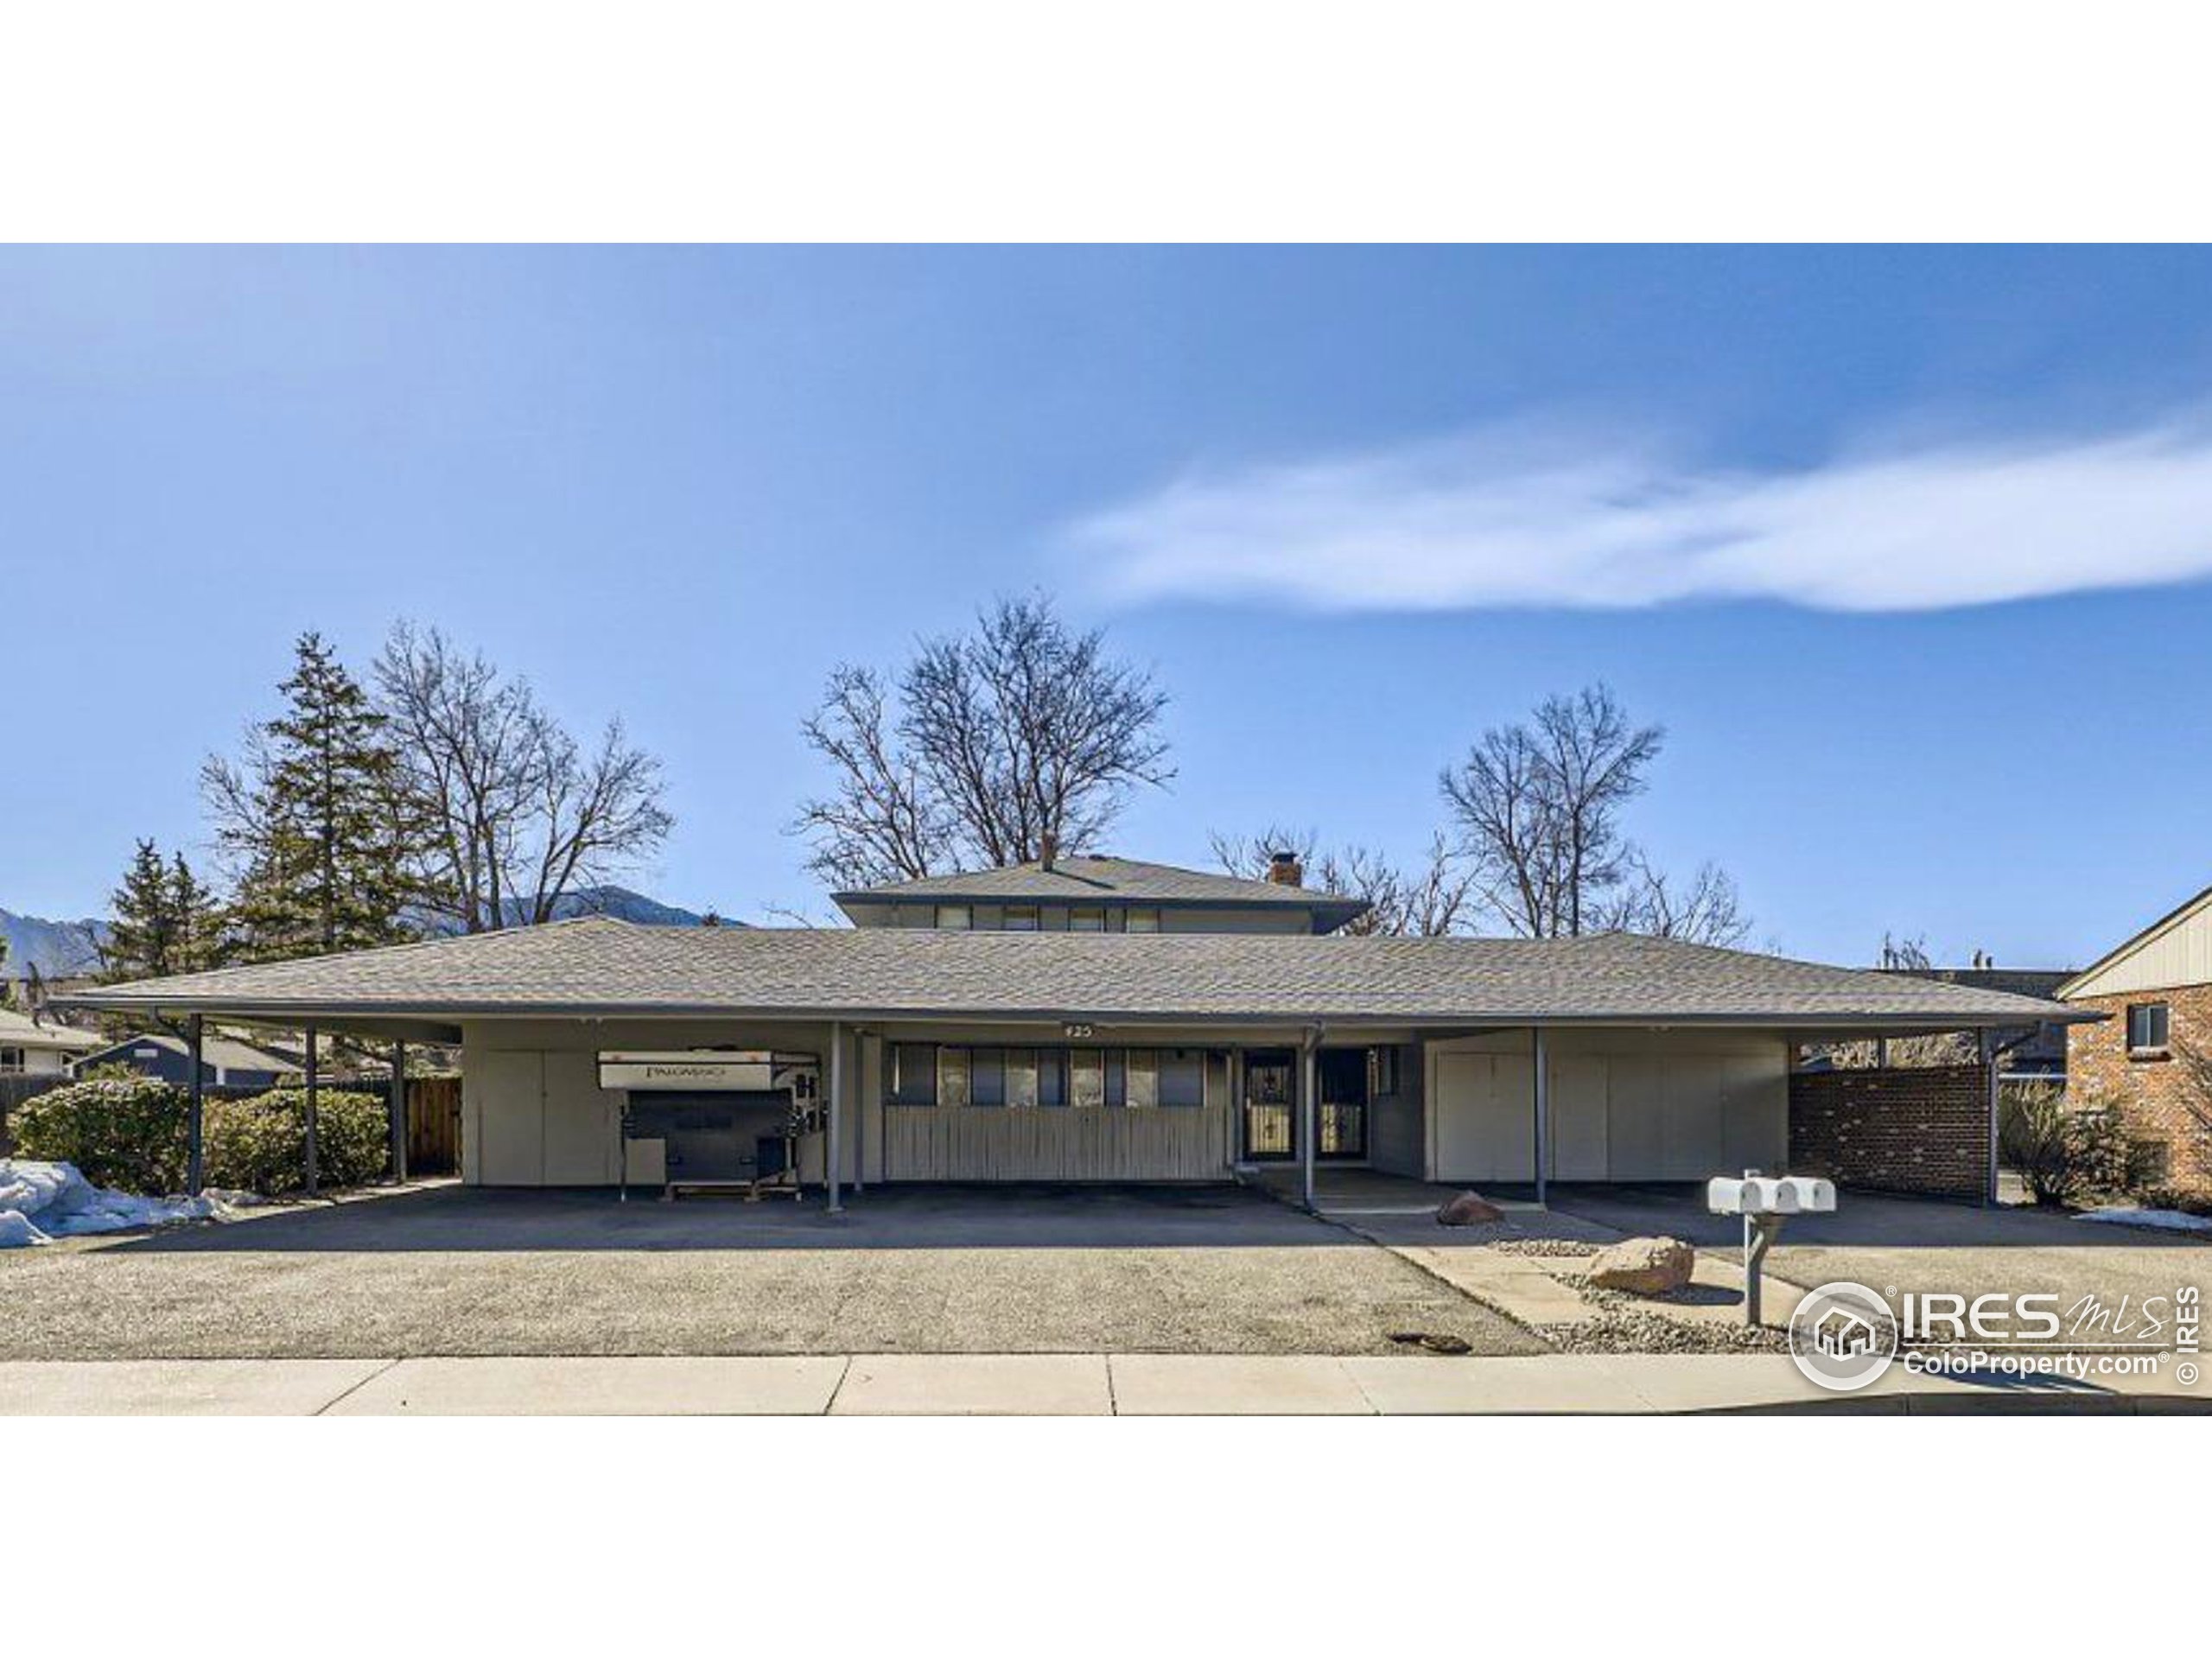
913 1074
1021 1076
952 1076
1117 1078
11 1059
987 1077
1144 921
1086 919
1086 1077
1022 918
1382 1072
955 916
1143 1077
2147 1028
1182 1076
1053 1077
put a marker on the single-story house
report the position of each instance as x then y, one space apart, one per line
225 1062
2156 989
40 1048
1106 1019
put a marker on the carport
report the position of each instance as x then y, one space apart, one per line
1005 1055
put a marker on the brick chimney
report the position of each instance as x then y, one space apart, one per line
1285 871
1048 849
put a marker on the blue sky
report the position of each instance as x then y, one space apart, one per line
1904 548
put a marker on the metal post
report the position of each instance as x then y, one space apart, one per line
860 1127
1989 1069
1543 1126
832 1150
397 1111
1309 1086
1758 1235
309 1159
195 1163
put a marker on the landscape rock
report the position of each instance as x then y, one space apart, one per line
1468 1210
1643 1267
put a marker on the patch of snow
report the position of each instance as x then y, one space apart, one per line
2172 1221
40 1202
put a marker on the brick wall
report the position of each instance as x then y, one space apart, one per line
1920 1129
2152 1094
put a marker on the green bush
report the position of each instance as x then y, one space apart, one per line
260 1143
2062 1152
133 1133
128 1132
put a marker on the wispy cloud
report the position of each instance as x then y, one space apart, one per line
1544 517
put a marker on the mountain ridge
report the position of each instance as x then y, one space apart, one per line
66 950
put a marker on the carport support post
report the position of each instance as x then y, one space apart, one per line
194 1163
1309 1088
1989 1069
831 1151
397 1111
307 1158
1544 1115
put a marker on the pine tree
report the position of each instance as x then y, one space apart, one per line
310 820
162 920
142 938
199 920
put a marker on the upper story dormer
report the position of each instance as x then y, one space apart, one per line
1086 894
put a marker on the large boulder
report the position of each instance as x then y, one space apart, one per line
1643 1267
1468 1209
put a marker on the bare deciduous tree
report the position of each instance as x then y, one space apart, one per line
516 815
1538 809
1019 729
1436 899
883 822
1706 910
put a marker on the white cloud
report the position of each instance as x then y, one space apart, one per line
1529 516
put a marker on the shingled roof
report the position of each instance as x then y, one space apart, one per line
1089 880
601 967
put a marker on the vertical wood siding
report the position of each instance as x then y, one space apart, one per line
1050 1143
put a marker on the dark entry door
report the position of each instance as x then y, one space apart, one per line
1342 1119
1270 1105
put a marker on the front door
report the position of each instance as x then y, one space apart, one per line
1270 1105
1342 1133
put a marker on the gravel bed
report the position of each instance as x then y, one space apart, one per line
1630 1325
1546 1247
1633 1331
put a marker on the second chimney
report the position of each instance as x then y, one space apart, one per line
1285 871
1048 849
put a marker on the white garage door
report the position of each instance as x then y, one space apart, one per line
1486 1117
1647 1116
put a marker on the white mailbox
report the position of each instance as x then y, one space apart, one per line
1770 1195
1762 1201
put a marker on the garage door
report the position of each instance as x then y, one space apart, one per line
1486 1117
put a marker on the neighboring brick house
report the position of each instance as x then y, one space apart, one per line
2157 989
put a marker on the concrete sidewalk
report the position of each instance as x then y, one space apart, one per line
1020 1384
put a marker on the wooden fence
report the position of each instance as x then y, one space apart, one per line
434 1126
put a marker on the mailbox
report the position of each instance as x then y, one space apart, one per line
1770 1195
1762 1201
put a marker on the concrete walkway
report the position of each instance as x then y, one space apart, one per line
1016 1384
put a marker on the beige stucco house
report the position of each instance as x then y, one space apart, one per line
41 1048
1095 1019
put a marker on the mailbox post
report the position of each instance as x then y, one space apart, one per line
1764 1201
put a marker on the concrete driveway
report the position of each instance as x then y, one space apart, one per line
448 1270
1921 1244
